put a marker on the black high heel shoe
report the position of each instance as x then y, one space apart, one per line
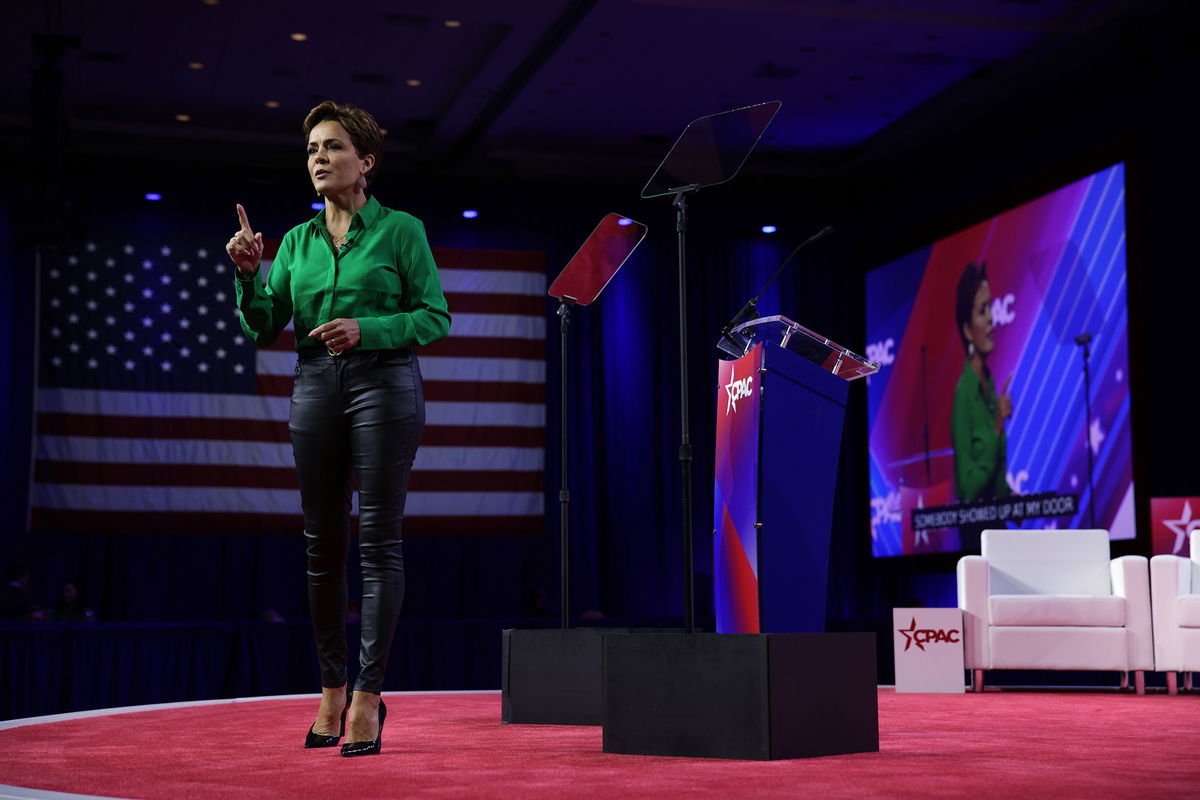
367 748
325 740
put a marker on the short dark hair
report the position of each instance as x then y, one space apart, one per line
973 276
364 131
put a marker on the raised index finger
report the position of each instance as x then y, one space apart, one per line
242 217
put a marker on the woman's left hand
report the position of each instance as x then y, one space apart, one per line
339 335
1004 408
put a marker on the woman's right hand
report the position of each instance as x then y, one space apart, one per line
245 247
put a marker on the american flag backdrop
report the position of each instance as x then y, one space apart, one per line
155 414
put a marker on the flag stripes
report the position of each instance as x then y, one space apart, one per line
156 415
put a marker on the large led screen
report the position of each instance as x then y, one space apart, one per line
987 338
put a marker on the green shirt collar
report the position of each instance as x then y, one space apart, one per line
365 217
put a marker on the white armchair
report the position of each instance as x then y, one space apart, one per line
1055 600
1175 593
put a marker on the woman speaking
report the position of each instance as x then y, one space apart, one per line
978 415
361 284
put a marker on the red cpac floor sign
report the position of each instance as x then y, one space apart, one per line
928 646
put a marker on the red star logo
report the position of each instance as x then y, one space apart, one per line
909 639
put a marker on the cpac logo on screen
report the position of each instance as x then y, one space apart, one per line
923 636
735 390
1002 310
882 353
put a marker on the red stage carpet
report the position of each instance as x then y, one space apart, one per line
999 744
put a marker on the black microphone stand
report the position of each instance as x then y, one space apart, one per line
751 306
925 403
1084 340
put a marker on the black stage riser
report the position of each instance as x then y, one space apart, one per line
554 677
741 696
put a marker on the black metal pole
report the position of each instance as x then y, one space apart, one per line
685 445
1087 431
564 493
925 405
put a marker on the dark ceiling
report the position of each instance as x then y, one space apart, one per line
530 88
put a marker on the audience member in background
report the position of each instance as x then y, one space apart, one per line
361 285
17 603
71 607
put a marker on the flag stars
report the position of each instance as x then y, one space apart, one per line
55 302
239 339
56 361
184 294
92 363
110 262
147 293
111 291
166 251
166 366
91 305
185 352
129 277
73 319
166 308
147 322
202 281
130 336
147 351
184 266
110 320
91 275
54 273
56 332
202 338
92 334
239 368
147 264
90 247
165 279
73 347
72 260
166 337
73 289
202 366
221 352
185 323
111 349
129 365
202 310
221 297
201 253
220 269
128 308
127 249
220 324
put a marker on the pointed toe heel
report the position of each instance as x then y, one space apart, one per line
312 740
350 749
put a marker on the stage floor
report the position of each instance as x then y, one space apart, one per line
1058 745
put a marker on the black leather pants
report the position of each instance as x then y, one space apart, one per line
361 415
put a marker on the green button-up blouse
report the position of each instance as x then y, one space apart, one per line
980 451
384 277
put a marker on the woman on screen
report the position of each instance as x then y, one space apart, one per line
360 283
978 416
